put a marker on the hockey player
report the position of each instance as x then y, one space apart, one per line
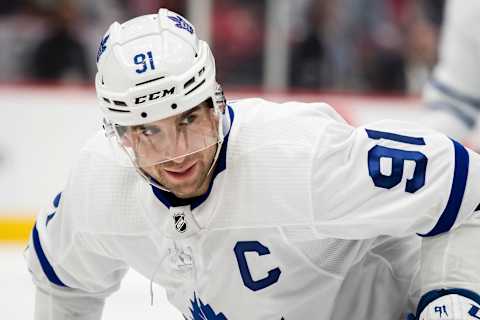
252 209
453 92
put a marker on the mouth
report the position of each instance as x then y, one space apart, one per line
181 173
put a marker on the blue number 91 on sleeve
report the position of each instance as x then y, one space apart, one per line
398 158
453 304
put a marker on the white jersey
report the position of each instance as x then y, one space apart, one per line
455 85
307 217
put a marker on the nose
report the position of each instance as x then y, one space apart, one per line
179 147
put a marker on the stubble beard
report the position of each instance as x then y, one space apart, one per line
187 189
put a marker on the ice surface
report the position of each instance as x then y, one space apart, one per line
132 301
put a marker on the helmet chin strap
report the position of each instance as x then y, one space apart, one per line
224 123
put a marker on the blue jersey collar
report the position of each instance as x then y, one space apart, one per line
170 200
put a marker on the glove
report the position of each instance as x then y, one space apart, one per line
448 304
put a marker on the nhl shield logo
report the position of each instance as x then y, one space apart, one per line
180 222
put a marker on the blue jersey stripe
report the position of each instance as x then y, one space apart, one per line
46 266
449 215
455 94
468 120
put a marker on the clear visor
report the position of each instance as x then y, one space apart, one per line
168 139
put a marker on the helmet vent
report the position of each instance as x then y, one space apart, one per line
117 110
195 88
151 80
106 100
119 103
201 71
189 83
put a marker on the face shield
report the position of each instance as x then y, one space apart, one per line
168 139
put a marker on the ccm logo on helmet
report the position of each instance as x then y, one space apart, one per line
155 95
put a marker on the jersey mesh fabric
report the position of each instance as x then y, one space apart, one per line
113 187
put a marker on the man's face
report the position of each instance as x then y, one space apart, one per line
178 151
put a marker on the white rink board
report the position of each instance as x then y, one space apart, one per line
41 132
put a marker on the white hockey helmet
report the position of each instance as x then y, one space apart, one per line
151 68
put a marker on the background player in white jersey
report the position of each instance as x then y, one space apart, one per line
252 209
453 93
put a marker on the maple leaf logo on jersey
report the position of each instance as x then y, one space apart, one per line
201 311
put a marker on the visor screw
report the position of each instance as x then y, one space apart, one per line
143 114
174 106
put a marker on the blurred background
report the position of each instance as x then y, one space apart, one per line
369 58
347 45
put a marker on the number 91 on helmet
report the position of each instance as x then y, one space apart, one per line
157 90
